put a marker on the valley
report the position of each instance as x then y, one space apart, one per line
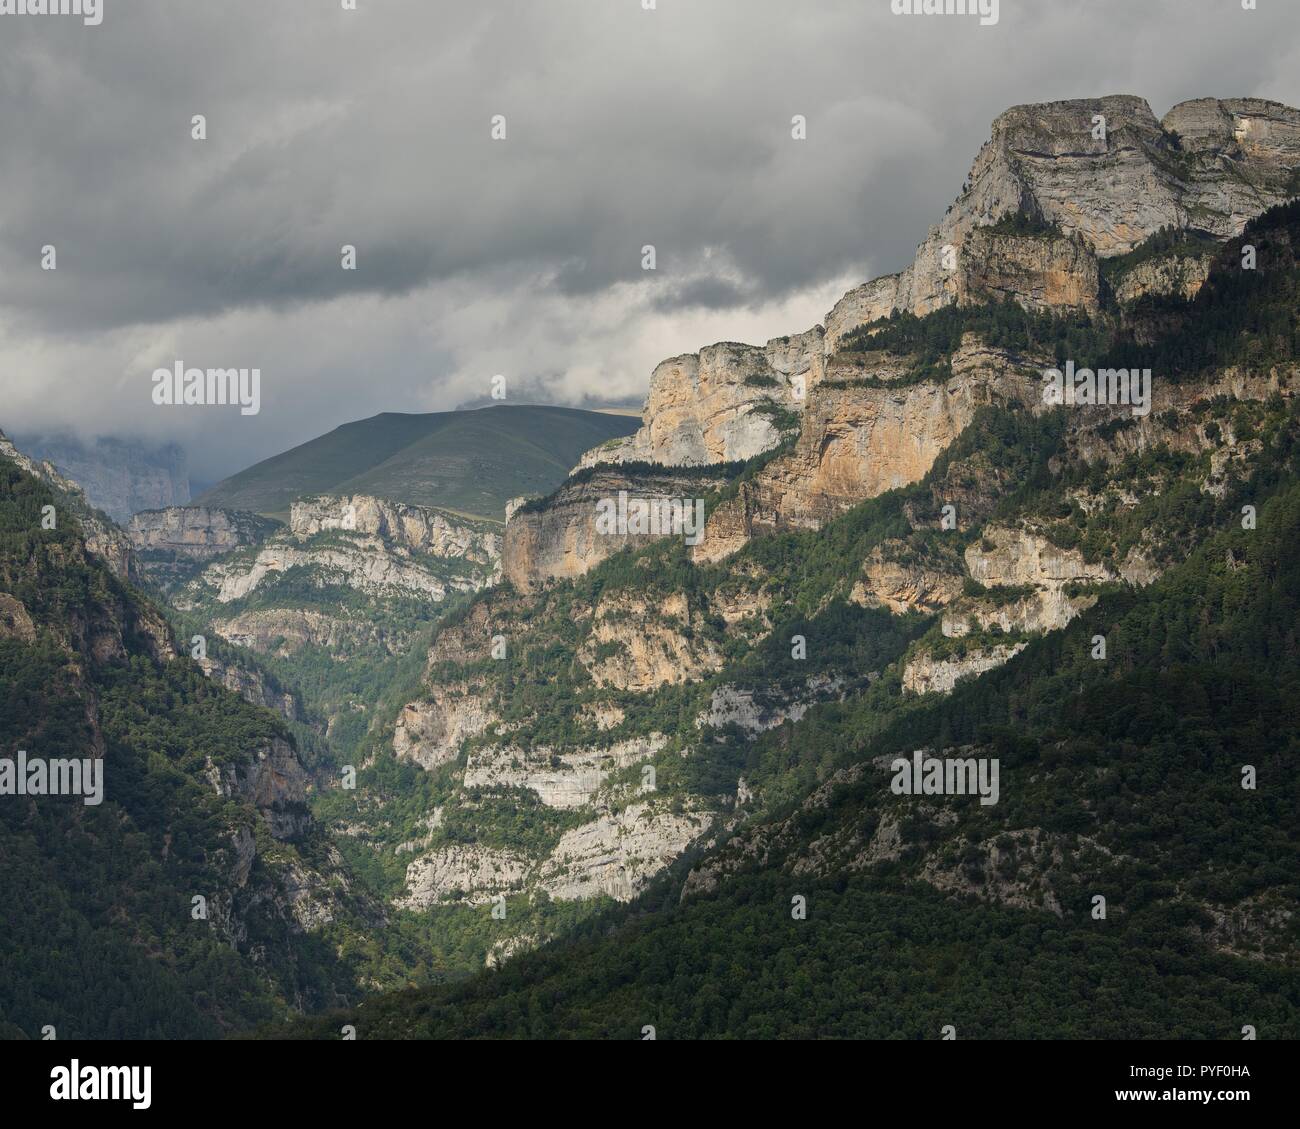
483 719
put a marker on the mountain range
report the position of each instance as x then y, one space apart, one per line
970 707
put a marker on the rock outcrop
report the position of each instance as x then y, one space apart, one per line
926 674
1210 166
275 783
617 853
172 544
560 778
430 732
1078 181
638 645
418 529
470 872
726 403
560 537
858 441
1178 276
376 547
252 685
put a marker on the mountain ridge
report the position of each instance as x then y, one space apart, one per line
470 462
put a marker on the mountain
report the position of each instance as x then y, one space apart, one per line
191 892
777 881
470 462
100 534
119 476
963 703
641 752
331 604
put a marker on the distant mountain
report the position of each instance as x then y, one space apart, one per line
471 462
120 476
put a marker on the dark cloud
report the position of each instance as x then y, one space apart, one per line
625 128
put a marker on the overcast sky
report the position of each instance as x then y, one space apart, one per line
522 257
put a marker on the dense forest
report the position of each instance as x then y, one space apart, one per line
97 936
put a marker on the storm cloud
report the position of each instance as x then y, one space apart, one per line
625 127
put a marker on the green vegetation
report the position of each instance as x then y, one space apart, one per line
1168 242
1120 776
1023 224
1131 766
96 934
931 340
1239 317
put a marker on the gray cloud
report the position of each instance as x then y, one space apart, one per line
522 257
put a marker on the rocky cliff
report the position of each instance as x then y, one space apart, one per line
374 547
416 529
859 439
172 544
726 403
1049 195
562 536
998 521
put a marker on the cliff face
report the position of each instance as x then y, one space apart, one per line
374 547
416 529
1179 276
1209 167
858 441
1237 161
252 684
172 544
562 538
927 675
348 584
727 403
1046 200
1038 272
430 732
274 782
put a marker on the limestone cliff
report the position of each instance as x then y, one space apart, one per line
727 403
1077 181
560 537
172 544
859 440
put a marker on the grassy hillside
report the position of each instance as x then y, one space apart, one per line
470 462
